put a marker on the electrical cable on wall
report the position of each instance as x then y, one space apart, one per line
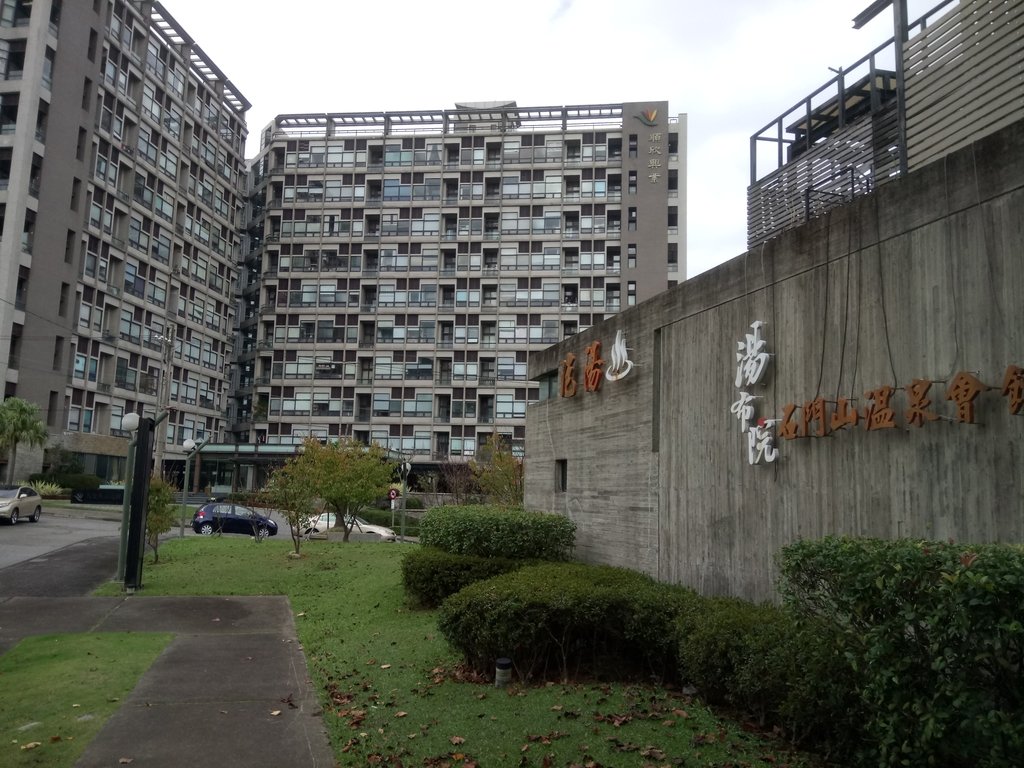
881 295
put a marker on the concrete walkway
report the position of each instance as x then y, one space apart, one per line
209 698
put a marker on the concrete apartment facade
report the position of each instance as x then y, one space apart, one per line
403 265
381 276
123 148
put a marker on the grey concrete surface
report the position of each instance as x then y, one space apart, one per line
231 689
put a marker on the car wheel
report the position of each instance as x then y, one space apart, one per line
206 529
14 517
35 515
262 532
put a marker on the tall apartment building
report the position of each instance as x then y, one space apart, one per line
402 265
121 162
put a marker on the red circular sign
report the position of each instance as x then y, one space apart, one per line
392 494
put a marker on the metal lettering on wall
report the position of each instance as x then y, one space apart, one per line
815 419
751 363
594 368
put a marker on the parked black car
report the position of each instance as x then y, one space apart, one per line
224 517
19 502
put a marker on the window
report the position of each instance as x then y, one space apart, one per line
631 223
561 475
631 256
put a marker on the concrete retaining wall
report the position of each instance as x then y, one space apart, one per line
922 280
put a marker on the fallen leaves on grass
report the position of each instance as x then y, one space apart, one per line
616 719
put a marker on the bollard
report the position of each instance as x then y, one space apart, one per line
502 672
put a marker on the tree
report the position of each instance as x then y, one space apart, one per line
343 476
160 514
19 423
458 480
350 476
292 491
499 473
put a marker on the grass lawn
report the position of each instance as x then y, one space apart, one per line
59 690
393 693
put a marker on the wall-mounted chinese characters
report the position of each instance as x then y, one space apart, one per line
820 417
654 155
594 367
751 364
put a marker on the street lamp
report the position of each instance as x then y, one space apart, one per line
129 423
405 469
133 510
191 449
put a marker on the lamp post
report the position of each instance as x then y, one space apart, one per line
129 423
191 449
133 512
405 469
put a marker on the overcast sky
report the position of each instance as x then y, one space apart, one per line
732 66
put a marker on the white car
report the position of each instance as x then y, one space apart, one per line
320 525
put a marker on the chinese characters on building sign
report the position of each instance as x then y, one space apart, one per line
593 369
654 147
814 419
751 363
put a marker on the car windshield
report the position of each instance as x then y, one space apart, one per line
8 493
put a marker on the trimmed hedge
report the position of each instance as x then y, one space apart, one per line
759 660
934 637
497 532
430 575
567 619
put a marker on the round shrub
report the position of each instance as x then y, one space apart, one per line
498 532
758 659
430 575
567 620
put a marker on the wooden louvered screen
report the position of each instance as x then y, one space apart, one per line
964 77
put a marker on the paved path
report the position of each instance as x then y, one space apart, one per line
209 698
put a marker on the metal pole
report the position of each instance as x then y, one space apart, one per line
406 467
899 21
122 549
129 481
187 489
184 492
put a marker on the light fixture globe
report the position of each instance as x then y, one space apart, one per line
130 422
189 445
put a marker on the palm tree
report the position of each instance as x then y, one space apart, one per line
19 423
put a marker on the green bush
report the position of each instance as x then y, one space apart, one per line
759 660
414 502
567 620
498 532
72 482
934 634
430 575
47 490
